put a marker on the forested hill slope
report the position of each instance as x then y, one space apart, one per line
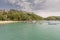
15 15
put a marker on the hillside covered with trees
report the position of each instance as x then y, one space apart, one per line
52 18
15 15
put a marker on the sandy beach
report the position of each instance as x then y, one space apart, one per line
4 22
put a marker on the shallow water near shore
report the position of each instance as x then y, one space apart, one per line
29 31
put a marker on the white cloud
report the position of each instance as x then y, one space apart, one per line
52 5
46 14
22 3
38 1
25 5
35 5
40 7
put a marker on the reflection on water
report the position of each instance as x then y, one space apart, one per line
30 31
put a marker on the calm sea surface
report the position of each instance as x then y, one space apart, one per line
29 31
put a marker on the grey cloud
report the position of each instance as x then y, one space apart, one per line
35 5
52 5
27 4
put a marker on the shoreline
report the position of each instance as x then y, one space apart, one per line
5 22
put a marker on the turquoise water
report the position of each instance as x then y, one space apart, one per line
29 31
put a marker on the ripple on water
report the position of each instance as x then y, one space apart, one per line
29 31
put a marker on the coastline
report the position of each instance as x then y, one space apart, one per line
5 22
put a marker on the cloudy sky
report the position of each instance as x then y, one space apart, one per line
41 7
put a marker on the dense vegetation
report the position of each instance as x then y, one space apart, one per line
16 15
52 18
